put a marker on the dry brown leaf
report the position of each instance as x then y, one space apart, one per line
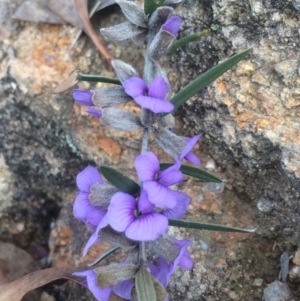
67 83
15 290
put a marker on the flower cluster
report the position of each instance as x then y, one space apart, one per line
137 221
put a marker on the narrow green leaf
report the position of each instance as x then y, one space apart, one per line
194 172
144 285
103 256
96 79
206 78
188 39
209 227
151 5
120 181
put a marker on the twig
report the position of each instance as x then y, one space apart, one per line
89 30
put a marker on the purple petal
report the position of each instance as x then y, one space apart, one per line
172 25
162 272
155 105
95 216
171 175
83 97
124 288
144 204
82 273
82 206
191 142
101 294
191 157
160 195
179 210
147 227
120 211
135 86
158 88
86 178
95 237
95 112
147 166
183 259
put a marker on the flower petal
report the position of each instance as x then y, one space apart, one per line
101 294
155 105
86 178
147 166
172 25
177 212
82 206
171 175
124 288
191 142
120 212
158 88
160 195
144 205
135 86
191 157
162 272
95 236
183 259
147 227
83 97
94 112
95 216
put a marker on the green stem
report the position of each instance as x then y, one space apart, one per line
96 79
188 39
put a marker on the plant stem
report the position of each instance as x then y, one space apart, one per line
145 141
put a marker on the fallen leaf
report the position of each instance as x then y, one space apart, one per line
15 290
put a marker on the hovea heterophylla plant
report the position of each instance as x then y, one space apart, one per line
135 215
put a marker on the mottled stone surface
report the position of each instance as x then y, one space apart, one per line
249 118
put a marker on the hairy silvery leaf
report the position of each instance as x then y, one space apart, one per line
159 17
164 247
173 3
168 121
139 39
169 142
121 119
133 255
101 194
144 285
161 293
110 96
133 13
124 71
114 273
153 70
123 31
160 44
116 239
148 118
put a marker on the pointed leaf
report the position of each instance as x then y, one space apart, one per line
96 79
103 256
67 83
144 285
120 181
188 39
206 78
151 5
194 172
209 227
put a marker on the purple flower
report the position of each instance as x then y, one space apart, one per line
156 182
137 219
152 97
122 289
83 97
164 270
101 294
172 25
187 153
83 209
95 112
